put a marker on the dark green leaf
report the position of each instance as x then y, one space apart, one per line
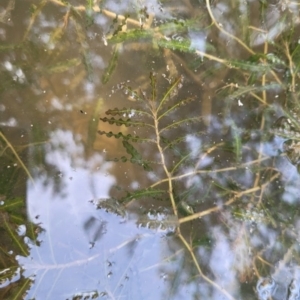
183 45
128 112
153 85
148 192
171 92
248 89
130 35
177 105
127 122
127 137
136 156
111 65
64 66
181 122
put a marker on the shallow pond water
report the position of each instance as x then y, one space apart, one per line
149 150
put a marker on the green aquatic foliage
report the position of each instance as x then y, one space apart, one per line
164 155
127 122
245 90
154 117
229 164
143 193
126 137
179 44
171 34
130 36
108 71
12 221
136 157
156 111
63 66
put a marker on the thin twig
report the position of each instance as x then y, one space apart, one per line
291 66
207 279
33 17
244 165
227 203
224 31
17 156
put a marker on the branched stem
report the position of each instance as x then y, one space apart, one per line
245 165
235 38
170 179
229 202
163 162
207 279
224 31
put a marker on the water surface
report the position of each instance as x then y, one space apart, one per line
149 150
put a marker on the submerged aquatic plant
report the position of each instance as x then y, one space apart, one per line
227 170
178 174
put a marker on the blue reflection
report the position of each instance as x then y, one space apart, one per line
294 290
265 288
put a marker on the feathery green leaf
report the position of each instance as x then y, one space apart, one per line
127 122
171 92
175 106
128 137
178 123
148 192
111 65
